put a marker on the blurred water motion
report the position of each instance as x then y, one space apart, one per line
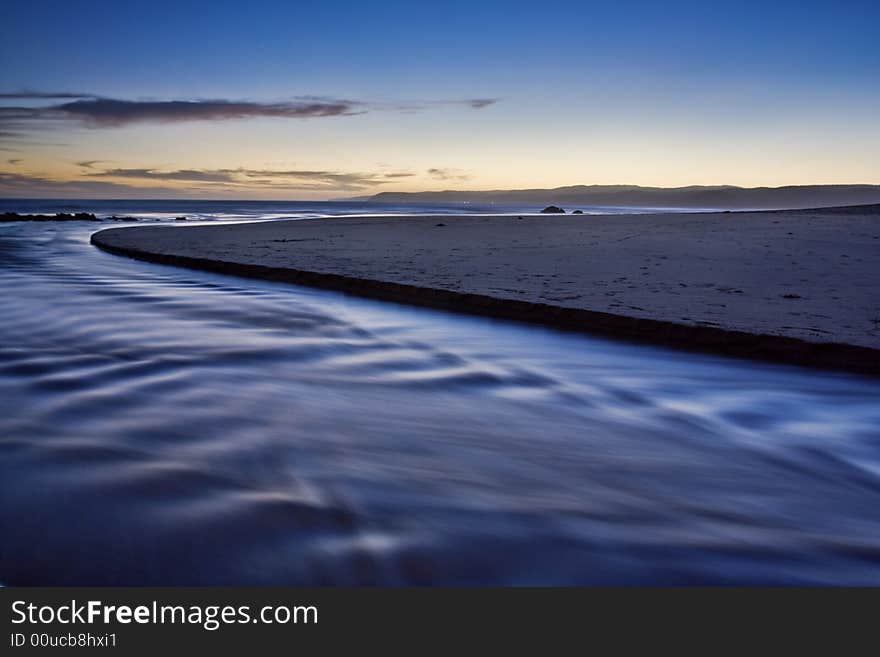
166 426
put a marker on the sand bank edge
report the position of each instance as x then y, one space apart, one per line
741 344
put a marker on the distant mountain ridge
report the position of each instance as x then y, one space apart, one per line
695 196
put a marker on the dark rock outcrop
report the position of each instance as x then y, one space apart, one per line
60 216
552 209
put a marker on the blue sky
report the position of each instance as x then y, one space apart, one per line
655 93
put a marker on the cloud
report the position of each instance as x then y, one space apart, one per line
17 123
330 178
13 161
23 95
480 103
412 107
107 112
399 175
33 113
476 103
303 179
21 185
136 182
184 175
448 174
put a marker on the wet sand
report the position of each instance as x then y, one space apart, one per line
791 286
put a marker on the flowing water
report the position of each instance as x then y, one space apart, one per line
168 426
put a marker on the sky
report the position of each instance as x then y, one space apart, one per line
308 100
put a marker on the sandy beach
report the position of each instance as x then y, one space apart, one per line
793 286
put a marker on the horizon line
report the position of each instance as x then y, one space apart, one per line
357 197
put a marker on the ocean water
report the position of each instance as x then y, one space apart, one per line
169 426
263 210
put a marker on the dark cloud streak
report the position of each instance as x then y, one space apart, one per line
107 112
154 182
439 173
49 95
22 185
480 103
184 175
241 177
93 111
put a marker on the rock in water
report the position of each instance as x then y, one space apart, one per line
552 209
60 216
